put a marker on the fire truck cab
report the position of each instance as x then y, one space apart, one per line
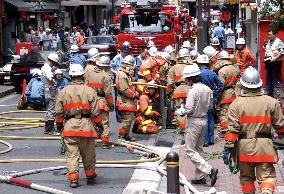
144 20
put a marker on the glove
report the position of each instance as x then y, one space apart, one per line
226 154
180 111
155 114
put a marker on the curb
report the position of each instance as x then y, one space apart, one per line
7 92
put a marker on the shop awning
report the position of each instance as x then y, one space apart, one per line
20 4
84 2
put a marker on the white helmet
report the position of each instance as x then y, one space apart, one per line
53 57
251 78
150 44
241 41
152 84
215 42
165 55
126 43
36 72
93 52
210 51
169 49
129 59
183 53
58 71
104 61
153 51
203 59
76 70
186 44
224 55
74 48
191 71
193 55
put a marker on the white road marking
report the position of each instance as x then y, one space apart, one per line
142 180
3 105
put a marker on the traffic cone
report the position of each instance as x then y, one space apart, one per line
24 87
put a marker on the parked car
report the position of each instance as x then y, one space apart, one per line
35 60
6 69
105 44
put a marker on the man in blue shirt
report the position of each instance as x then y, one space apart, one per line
76 57
210 79
35 91
138 62
219 32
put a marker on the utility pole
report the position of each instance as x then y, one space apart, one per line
203 20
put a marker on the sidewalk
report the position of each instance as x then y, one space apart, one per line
6 90
226 181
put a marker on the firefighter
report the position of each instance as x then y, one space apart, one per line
175 72
60 81
76 57
146 121
126 96
149 70
186 44
251 119
100 80
170 49
199 100
228 73
179 98
93 53
193 55
47 76
243 56
77 104
164 69
210 79
153 51
139 61
212 53
215 43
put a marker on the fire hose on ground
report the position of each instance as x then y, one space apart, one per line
136 148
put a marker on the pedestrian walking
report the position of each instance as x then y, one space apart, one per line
199 101
251 119
77 104
49 91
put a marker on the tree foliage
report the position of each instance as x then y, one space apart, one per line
274 10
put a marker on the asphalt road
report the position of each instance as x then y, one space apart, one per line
110 181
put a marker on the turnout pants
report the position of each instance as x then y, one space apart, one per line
126 121
105 122
263 173
194 138
85 147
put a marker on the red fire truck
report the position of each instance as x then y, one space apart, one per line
144 20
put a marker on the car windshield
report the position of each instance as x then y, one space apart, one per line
146 23
102 40
35 57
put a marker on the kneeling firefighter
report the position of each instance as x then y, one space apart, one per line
146 121
77 104
251 119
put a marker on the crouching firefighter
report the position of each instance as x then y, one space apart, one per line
251 119
77 104
127 96
146 121
100 80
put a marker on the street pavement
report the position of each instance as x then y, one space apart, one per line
108 180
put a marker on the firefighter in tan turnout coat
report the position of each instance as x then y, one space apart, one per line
251 118
127 96
100 80
76 105
228 73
